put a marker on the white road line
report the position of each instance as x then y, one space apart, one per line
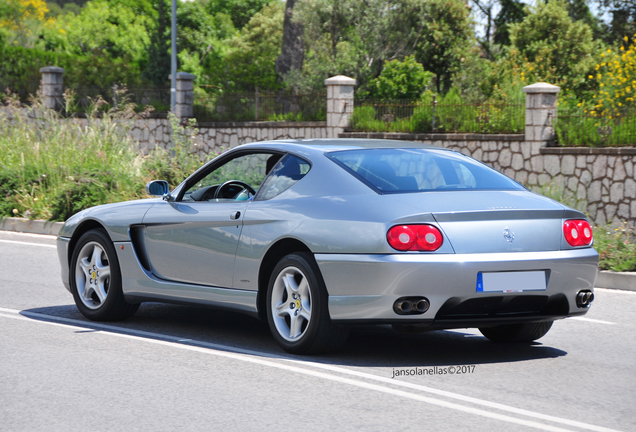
26 243
595 321
249 356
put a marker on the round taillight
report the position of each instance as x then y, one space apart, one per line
401 237
429 238
415 237
577 232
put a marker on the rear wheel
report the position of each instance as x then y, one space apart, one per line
526 332
96 279
297 309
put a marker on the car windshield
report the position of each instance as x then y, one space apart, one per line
420 170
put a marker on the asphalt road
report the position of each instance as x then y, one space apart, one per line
177 367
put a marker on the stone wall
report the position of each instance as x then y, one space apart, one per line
597 180
214 138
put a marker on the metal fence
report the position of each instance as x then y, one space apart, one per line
609 129
23 88
430 116
260 107
115 96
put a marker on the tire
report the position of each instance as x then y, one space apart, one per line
526 332
96 279
297 308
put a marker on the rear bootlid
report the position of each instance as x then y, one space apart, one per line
495 221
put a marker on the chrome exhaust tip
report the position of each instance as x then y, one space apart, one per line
411 305
422 305
584 298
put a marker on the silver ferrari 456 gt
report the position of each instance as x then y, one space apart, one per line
316 235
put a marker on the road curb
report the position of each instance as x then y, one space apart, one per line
605 279
614 280
30 226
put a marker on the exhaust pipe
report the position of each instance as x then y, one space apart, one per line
584 298
422 305
411 305
405 306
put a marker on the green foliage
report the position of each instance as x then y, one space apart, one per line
157 70
52 168
511 12
118 29
400 80
616 248
446 37
623 22
355 38
87 191
240 11
451 114
548 46
251 58
181 160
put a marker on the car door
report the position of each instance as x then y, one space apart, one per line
194 238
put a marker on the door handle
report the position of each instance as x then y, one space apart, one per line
235 215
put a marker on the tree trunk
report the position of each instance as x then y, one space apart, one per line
292 52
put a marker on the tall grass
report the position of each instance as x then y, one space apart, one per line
51 168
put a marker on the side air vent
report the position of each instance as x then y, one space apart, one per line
137 238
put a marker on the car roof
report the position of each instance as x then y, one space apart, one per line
322 145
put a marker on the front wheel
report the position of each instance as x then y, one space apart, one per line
96 279
526 332
297 309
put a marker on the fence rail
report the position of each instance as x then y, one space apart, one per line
255 106
430 116
158 97
617 129
23 88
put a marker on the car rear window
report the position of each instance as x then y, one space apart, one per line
420 170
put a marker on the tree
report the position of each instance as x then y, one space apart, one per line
110 29
447 36
292 52
549 46
355 37
511 12
240 11
251 59
623 21
22 21
158 67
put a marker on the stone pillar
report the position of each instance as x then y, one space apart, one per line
185 95
541 112
339 104
52 87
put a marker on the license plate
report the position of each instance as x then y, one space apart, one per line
511 281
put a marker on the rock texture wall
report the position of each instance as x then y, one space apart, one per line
214 138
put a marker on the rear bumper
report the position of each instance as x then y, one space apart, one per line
363 288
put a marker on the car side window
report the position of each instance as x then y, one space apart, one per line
236 180
284 174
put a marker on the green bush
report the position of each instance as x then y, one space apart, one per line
51 168
616 248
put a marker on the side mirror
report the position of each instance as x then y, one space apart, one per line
157 188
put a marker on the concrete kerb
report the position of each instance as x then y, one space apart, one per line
605 279
30 226
613 280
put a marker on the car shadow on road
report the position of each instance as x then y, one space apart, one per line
370 346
